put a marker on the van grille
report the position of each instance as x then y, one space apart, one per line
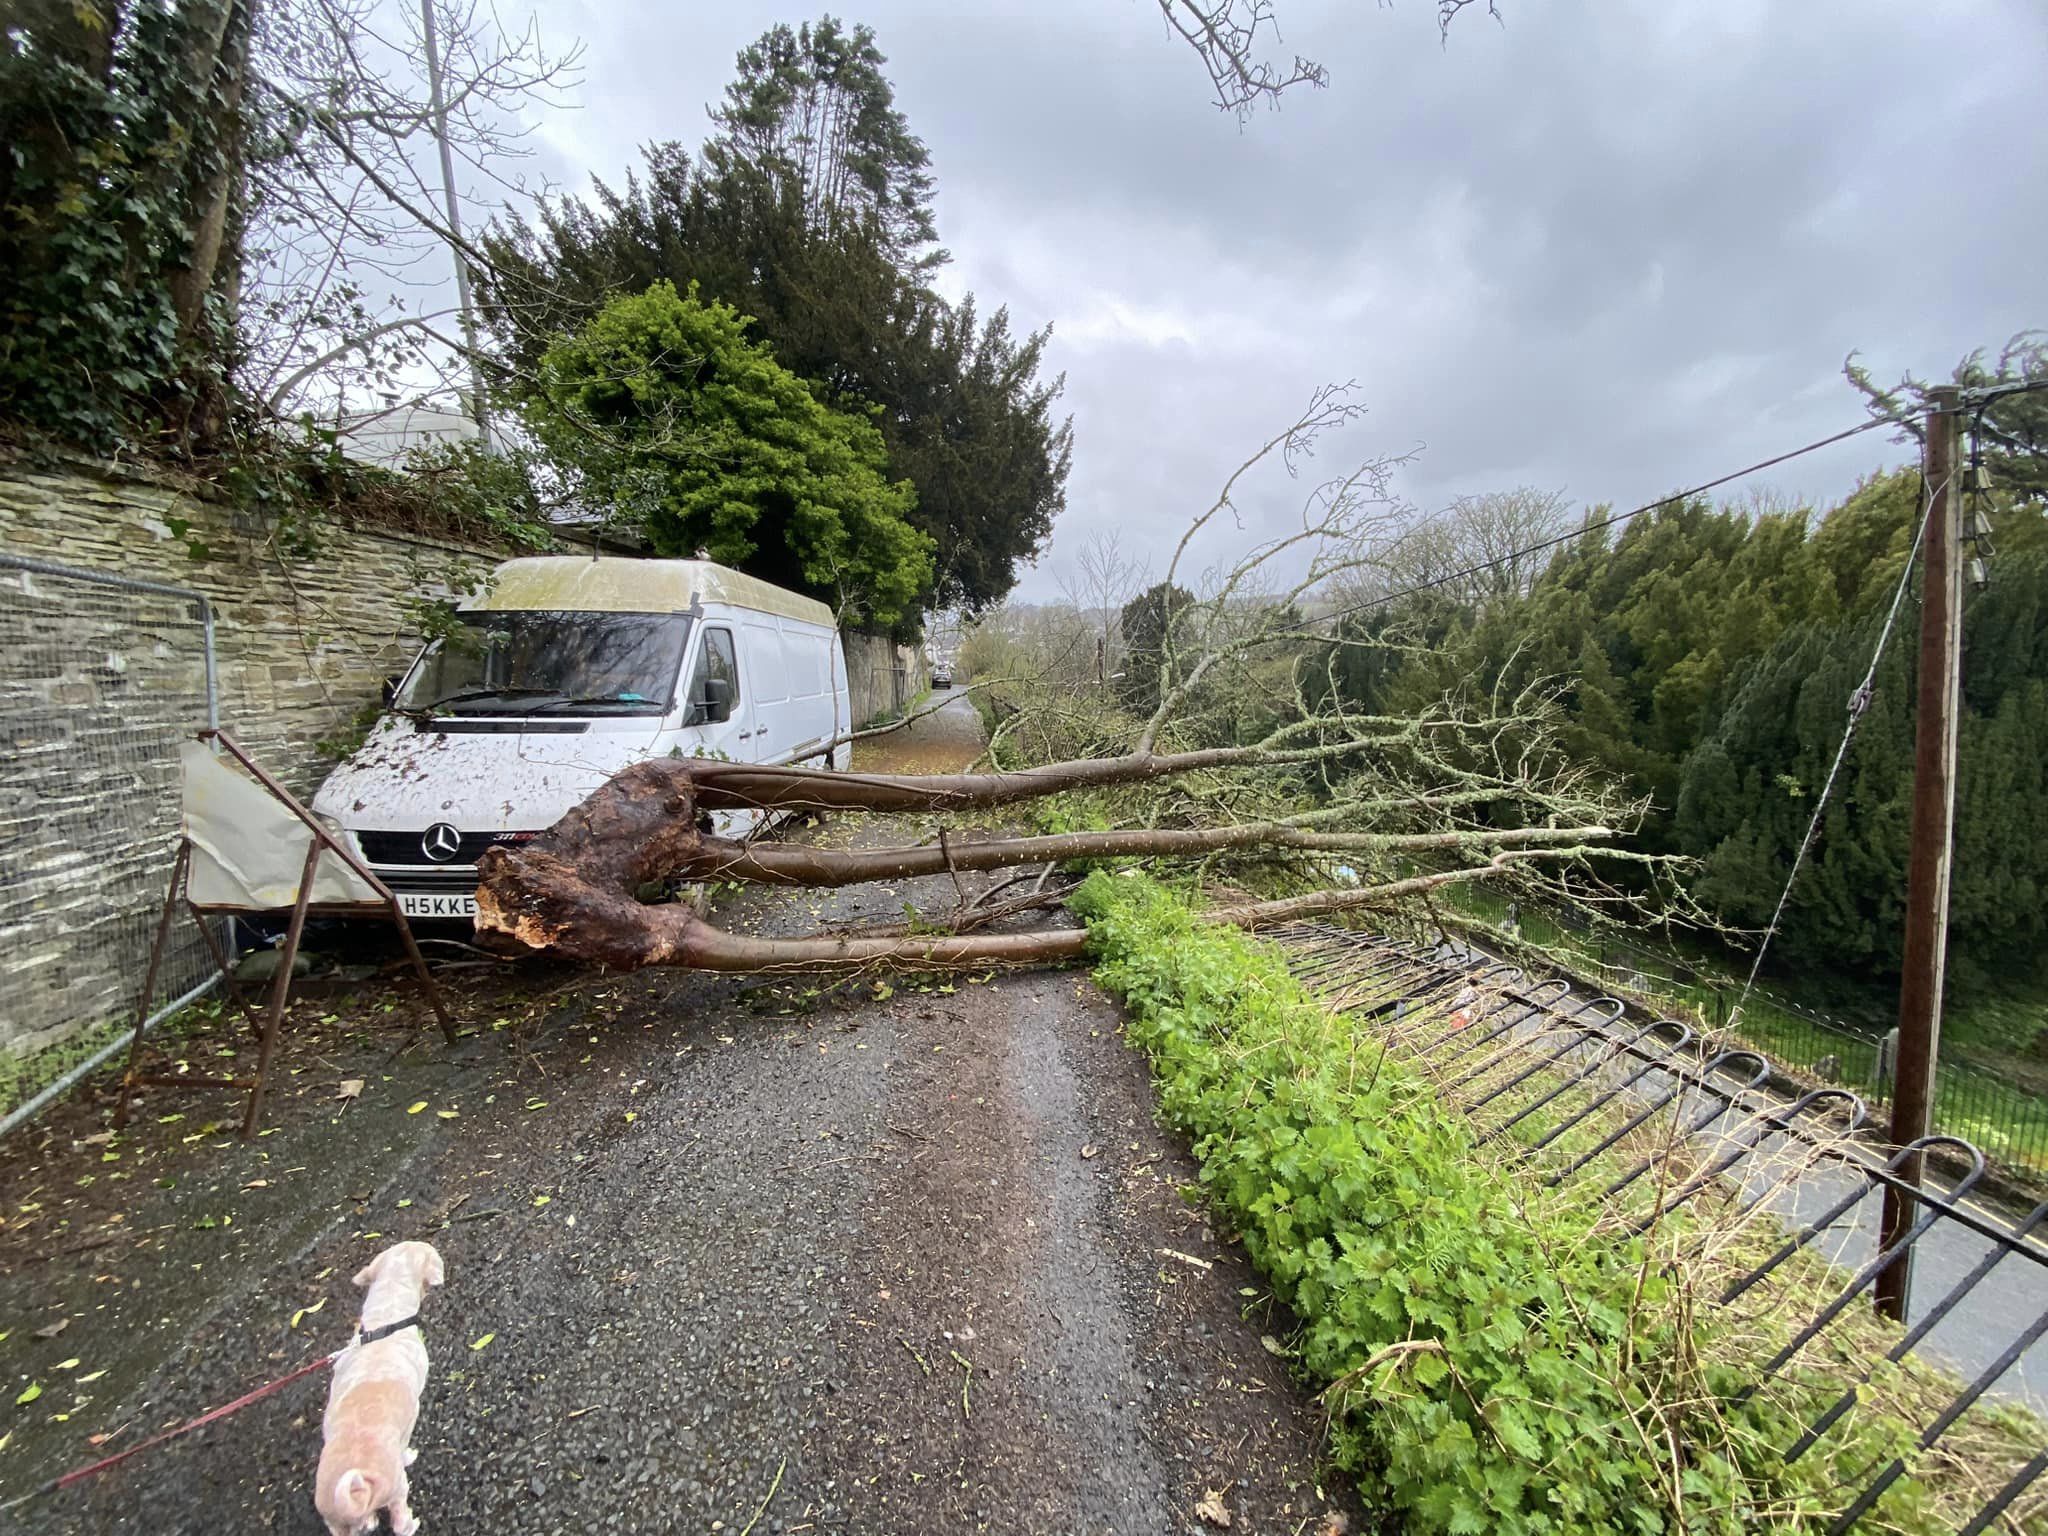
404 847
457 879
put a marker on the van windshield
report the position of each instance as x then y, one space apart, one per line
550 662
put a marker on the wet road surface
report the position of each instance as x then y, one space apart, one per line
720 1257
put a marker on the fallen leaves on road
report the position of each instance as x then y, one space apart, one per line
51 1330
1211 1511
351 1088
1091 1150
476 1344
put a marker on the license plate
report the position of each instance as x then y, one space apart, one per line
427 904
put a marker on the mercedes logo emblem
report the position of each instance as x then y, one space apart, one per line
441 842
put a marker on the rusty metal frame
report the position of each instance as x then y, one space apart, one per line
266 1023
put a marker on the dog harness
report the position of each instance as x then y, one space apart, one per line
372 1335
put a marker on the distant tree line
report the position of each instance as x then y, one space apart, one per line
1707 655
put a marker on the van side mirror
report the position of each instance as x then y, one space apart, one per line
713 704
390 688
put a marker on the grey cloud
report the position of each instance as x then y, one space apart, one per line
1607 249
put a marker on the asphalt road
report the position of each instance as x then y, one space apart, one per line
720 1257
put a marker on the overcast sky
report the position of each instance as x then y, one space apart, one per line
1609 250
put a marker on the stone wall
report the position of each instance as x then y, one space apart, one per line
99 686
881 677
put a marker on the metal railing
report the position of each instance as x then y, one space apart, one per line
1666 1117
2009 1122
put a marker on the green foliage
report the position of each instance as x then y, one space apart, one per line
669 416
1502 1360
2014 427
352 733
1706 656
1146 622
1749 787
812 110
118 120
964 413
484 493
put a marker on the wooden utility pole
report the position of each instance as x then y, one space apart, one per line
1933 829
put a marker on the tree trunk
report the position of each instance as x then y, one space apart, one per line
217 66
572 889
718 858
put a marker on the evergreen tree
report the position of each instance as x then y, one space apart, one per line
1706 656
2011 430
669 416
964 412
1147 622
811 110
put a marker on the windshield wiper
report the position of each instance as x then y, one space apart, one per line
472 695
637 701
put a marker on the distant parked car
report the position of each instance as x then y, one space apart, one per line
942 674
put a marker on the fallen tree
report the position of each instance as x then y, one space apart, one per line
1422 801
575 889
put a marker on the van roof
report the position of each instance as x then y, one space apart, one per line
613 584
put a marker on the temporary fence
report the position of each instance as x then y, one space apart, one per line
102 677
1655 1119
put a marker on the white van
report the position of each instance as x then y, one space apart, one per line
564 671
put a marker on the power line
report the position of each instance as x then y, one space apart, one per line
1983 394
1859 701
1609 521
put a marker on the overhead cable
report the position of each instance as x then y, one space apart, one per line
1597 524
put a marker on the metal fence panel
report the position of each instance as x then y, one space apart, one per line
101 680
1539 1070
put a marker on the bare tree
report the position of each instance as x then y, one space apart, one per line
1230 37
1226 37
1465 794
1104 580
1497 538
1477 549
345 224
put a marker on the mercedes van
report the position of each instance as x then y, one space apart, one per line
559 673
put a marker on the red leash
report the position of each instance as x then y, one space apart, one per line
81 1473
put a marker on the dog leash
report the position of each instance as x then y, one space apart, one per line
79 1474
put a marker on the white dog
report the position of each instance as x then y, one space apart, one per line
375 1398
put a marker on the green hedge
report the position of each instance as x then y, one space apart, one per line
1562 1383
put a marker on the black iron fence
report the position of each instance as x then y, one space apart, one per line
1666 1117
2007 1120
